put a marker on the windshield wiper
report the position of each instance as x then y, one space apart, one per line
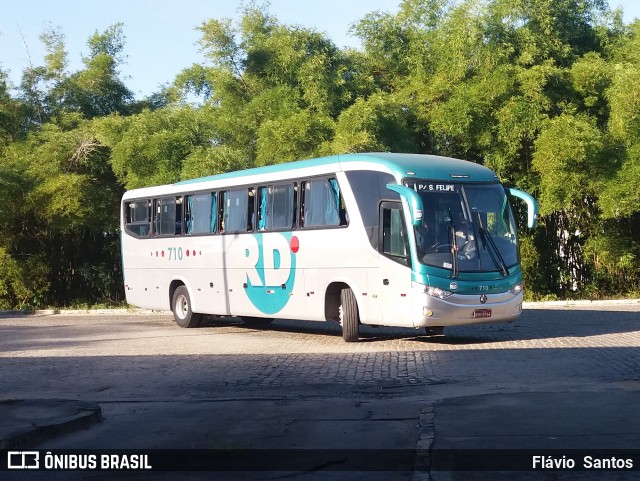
454 248
493 251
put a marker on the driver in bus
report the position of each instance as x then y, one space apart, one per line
464 236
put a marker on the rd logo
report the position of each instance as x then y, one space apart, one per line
269 263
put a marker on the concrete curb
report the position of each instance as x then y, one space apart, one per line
33 421
81 312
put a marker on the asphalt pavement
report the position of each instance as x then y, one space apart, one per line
589 433
460 438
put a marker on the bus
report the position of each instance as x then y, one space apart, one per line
379 239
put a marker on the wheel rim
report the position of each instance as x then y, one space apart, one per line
340 315
182 306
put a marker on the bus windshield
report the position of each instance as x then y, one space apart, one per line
465 227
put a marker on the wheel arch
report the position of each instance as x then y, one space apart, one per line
332 299
177 282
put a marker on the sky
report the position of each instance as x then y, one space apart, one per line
161 35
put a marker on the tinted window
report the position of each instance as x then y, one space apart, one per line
200 214
370 189
168 218
394 237
276 207
137 220
238 214
322 204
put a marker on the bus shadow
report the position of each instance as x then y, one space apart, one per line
543 323
448 338
327 328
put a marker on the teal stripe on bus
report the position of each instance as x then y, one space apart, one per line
401 165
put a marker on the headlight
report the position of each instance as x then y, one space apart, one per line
517 289
439 293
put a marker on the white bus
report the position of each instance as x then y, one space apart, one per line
385 239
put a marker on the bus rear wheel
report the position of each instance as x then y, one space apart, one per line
349 319
181 307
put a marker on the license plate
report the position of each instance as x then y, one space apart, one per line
479 313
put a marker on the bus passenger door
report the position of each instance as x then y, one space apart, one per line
393 283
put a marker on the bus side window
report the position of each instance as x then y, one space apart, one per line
283 207
199 209
168 216
276 207
394 239
323 204
237 210
138 218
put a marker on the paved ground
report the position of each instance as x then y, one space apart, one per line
297 385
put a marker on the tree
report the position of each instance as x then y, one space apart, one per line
379 123
272 92
527 88
544 92
12 115
149 148
97 89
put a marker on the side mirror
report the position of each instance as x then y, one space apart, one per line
412 198
532 206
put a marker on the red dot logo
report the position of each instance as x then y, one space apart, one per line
294 244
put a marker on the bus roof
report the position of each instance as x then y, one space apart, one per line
419 166
401 166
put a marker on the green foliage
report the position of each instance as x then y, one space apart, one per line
56 57
530 261
620 197
544 92
22 284
152 146
591 76
204 161
11 115
613 252
375 124
297 136
51 200
567 157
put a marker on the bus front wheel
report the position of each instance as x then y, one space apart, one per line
181 306
349 319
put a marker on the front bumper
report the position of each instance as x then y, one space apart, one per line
459 309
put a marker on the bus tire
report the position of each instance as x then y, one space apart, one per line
349 319
181 307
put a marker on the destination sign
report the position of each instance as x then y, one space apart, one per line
432 187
